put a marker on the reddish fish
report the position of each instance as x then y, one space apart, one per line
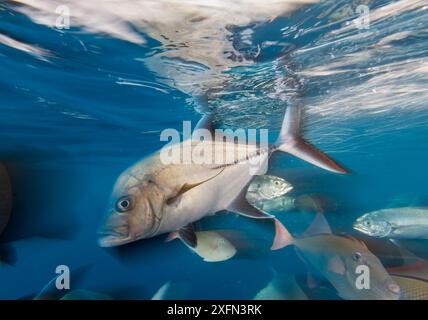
337 259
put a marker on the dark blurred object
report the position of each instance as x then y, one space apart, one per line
5 197
45 190
7 254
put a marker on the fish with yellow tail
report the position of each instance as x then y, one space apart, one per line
412 279
153 197
412 288
412 276
337 259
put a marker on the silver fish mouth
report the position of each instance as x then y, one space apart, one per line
113 239
357 225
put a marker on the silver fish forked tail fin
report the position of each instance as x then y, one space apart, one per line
291 141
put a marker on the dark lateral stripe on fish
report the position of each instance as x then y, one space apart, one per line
256 154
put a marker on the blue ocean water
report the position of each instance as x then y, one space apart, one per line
84 106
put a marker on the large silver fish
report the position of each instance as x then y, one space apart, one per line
153 198
337 259
395 223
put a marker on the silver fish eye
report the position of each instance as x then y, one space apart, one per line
356 257
367 223
124 204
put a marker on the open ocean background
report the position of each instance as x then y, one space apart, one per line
78 107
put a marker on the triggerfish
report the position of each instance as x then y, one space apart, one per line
337 259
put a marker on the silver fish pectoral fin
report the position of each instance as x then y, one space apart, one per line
188 235
189 186
410 231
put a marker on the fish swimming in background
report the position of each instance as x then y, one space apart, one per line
212 246
337 257
395 223
267 193
267 187
281 287
282 203
153 198
171 291
160 294
306 203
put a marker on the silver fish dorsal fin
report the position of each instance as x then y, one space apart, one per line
206 123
